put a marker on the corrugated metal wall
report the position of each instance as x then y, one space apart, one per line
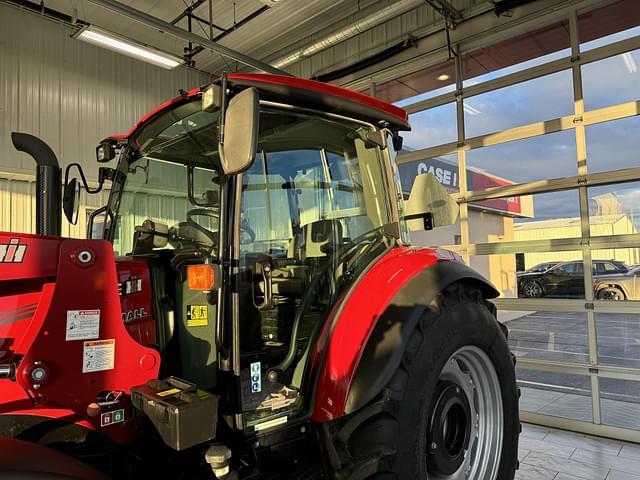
71 95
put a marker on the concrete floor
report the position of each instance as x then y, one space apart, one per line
548 454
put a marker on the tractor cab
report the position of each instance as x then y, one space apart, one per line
279 241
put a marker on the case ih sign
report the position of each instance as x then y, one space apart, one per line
447 174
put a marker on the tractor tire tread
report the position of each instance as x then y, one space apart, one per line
366 440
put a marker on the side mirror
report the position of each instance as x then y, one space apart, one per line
429 205
240 139
71 200
71 193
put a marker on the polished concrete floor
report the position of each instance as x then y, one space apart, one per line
548 454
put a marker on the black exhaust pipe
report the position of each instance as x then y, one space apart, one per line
48 174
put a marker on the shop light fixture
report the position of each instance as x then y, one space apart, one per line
443 77
629 62
116 43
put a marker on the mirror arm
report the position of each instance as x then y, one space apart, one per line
105 173
223 113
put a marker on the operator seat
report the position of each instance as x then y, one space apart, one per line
314 239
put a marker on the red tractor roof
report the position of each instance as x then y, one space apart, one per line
305 93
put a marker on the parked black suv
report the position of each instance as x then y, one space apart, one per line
565 279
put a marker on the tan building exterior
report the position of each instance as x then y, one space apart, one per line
606 218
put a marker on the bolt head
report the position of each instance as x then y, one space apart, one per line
217 455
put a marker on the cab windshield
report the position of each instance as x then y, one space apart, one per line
173 180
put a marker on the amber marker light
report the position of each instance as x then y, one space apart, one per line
200 277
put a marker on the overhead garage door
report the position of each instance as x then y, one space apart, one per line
542 134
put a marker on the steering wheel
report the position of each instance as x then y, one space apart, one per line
203 212
247 234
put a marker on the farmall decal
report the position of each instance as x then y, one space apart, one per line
134 314
13 252
132 285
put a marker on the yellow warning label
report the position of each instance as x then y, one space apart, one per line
171 391
197 315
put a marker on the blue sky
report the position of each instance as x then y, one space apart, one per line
610 146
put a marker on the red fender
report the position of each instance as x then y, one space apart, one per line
349 326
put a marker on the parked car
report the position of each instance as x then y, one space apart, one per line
618 286
539 268
565 279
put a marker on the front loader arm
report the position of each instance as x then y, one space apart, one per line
74 349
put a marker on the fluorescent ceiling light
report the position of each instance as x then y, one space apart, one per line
470 110
629 62
108 40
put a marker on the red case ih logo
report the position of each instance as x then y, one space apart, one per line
12 252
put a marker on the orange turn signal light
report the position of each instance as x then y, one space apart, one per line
200 277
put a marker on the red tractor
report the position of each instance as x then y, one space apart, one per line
248 304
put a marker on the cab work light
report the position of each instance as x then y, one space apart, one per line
110 41
203 277
211 97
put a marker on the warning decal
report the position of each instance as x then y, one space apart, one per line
98 356
197 315
109 418
166 393
256 378
82 325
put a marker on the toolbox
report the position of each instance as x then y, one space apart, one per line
181 413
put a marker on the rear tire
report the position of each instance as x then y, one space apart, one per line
532 289
457 364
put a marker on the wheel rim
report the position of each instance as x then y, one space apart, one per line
610 295
465 431
532 289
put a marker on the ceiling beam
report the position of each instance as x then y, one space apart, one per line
448 11
167 27
190 8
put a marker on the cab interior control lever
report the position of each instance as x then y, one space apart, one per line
264 270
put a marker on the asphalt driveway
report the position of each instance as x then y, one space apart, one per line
563 337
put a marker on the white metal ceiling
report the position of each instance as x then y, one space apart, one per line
285 26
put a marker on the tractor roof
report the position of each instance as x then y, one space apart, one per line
305 93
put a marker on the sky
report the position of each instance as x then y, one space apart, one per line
610 146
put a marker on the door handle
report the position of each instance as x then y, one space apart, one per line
264 269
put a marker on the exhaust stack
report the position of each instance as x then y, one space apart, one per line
48 174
